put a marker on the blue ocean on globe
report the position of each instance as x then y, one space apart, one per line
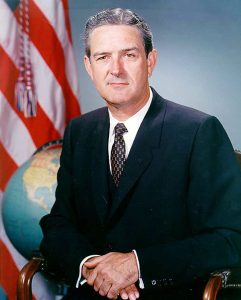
29 195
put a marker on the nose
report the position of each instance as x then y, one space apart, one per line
116 67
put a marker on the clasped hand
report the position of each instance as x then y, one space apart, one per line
113 274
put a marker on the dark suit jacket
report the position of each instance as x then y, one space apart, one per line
178 203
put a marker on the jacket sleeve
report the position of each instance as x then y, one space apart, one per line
213 206
63 244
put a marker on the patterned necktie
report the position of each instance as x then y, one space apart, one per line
118 152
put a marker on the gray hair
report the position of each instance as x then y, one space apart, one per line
118 16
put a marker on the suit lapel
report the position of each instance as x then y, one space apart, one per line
100 165
147 139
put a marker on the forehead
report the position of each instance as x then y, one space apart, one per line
114 36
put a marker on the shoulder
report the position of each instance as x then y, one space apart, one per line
180 115
182 122
178 111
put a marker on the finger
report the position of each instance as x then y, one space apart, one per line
86 272
92 277
131 296
132 292
129 292
123 294
116 297
104 288
113 293
97 283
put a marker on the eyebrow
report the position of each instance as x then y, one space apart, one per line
122 50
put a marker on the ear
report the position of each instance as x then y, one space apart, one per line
88 66
151 61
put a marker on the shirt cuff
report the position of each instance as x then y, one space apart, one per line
141 283
79 281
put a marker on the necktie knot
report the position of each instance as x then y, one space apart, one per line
120 129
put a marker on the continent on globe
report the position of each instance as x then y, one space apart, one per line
39 178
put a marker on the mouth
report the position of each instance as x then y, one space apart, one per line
117 83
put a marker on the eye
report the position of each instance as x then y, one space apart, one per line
101 57
130 55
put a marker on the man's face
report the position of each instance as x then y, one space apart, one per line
118 65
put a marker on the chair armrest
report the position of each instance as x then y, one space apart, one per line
227 279
24 283
212 287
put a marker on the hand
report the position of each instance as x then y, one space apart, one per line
131 292
112 273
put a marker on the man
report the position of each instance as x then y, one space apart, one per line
148 197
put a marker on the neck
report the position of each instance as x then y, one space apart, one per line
122 112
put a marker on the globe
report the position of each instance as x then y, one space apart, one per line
29 195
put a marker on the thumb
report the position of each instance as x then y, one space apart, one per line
93 261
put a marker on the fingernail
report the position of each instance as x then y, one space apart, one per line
137 294
132 297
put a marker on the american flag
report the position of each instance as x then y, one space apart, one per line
56 87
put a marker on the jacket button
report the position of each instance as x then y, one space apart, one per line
153 282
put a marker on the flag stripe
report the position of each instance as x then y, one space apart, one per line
67 20
70 61
7 167
55 59
54 12
8 33
14 134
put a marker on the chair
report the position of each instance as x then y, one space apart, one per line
37 264
24 284
218 280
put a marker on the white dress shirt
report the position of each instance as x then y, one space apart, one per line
132 125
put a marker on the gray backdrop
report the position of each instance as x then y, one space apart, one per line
199 47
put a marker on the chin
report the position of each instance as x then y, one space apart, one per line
116 101
117 97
